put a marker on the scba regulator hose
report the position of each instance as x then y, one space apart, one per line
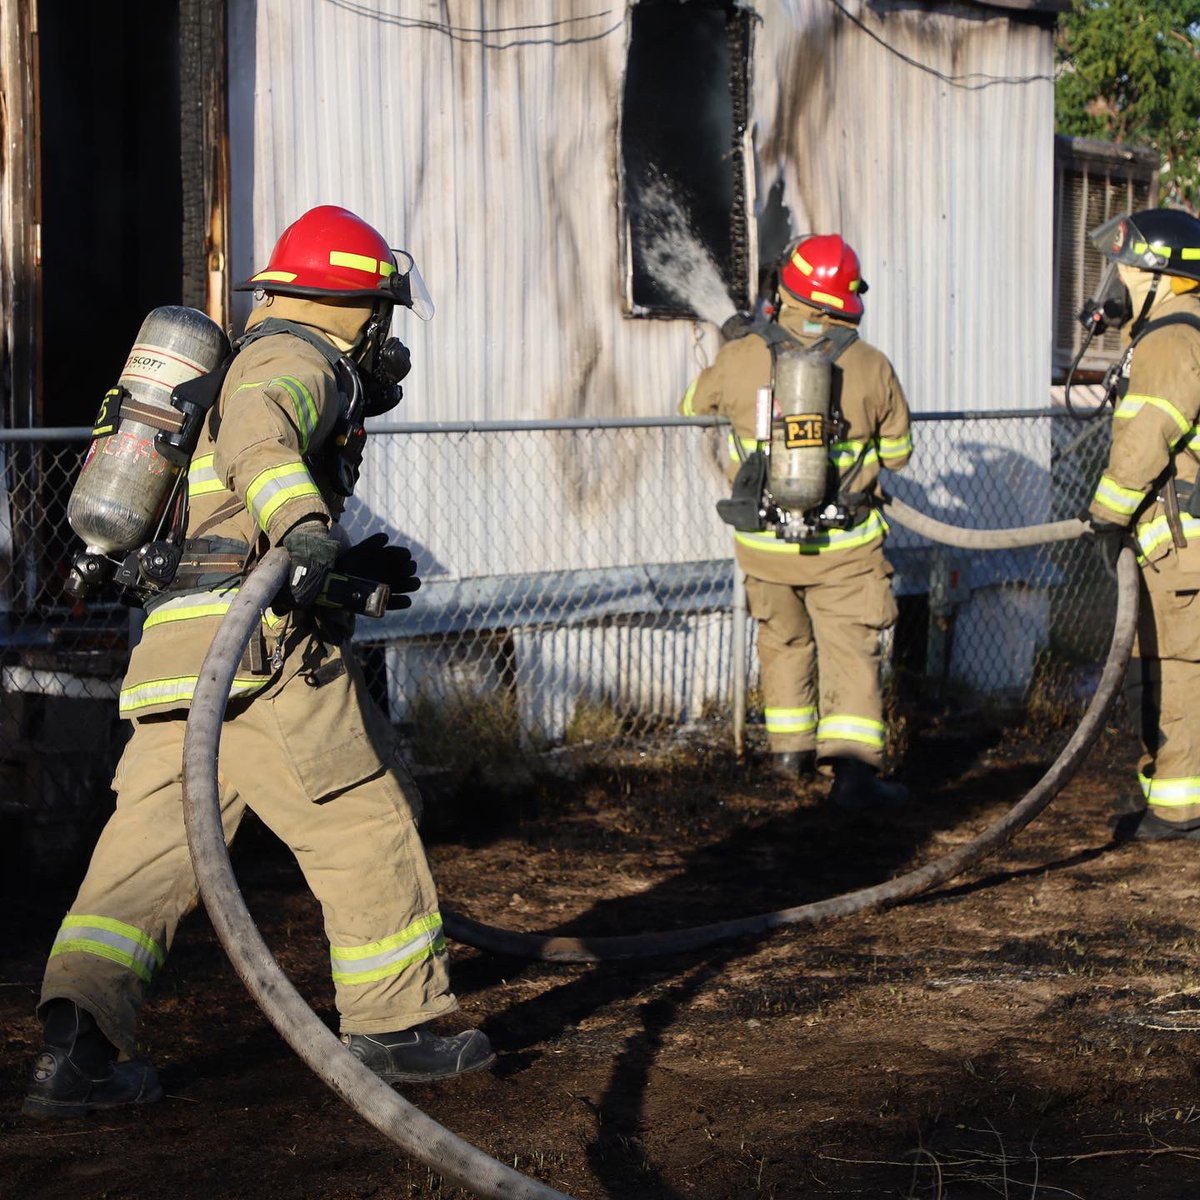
415 1133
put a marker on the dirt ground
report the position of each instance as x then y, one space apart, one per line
1029 1031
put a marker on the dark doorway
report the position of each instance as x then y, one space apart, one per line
683 122
111 190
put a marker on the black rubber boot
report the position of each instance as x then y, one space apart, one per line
76 1071
792 764
1151 827
417 1055
857 787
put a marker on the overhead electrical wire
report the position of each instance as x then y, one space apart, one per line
959 81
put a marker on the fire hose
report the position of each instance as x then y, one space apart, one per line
903 887
414 1132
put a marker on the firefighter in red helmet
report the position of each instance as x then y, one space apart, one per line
805 393
302 744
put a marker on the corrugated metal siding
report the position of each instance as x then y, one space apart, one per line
482 136
944 189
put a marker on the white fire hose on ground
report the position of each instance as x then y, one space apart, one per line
414 1132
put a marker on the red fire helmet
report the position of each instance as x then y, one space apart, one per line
823 270
331 252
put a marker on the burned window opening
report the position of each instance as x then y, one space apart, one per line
684 114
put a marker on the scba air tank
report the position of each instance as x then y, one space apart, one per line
125 483
798 473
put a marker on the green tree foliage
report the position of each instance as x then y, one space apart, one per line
1129 71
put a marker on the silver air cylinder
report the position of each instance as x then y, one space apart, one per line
124 483
799 463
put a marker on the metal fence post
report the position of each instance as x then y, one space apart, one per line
738 645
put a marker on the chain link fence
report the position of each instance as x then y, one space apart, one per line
578 593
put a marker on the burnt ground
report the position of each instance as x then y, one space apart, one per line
1031 1030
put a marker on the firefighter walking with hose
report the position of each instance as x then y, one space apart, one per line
1148 493
274 461
816 411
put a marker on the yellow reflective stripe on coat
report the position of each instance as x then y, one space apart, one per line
1134 402
304 406
202 480
685 406
1171 793
191 608
108 938
421 940
1118 499
179 690
1154 533
846 454
826 542
791 720
897 447
271 489
841 727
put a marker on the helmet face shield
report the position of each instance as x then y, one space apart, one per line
1121 241
407 287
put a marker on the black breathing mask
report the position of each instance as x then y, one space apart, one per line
384 361
1111 308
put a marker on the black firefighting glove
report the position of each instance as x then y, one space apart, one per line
314 551
393 565
1109 539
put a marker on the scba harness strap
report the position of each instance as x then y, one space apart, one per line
169 565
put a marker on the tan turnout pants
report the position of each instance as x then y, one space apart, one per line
304 760
1162 687
819 650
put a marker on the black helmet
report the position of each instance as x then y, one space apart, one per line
1163 240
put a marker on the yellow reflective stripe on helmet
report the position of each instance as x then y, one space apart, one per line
271 489
686 406
843 727
1154 533
1165 251
826 298
1171 793
1118 499
358 262
305 407
801 264
421 940
791 720
1134 402
108 938
202 480
179 690
896 447
827 541
273 277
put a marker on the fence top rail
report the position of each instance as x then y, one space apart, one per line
82 433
